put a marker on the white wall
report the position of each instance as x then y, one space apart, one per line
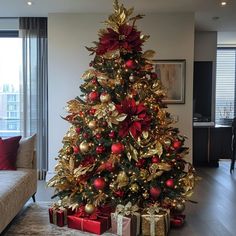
172 36
226 39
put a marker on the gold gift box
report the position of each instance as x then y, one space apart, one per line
156 225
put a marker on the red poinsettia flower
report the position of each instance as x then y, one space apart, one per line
137 119
127 38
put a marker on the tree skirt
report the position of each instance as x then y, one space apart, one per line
34 220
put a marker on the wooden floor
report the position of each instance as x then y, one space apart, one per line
215 212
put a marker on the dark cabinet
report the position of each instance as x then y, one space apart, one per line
211 144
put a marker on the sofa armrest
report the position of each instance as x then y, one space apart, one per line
34 162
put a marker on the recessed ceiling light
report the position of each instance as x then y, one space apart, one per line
29 3
223 3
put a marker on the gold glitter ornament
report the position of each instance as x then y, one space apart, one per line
134 188
105 97
92 124
84 147
89 208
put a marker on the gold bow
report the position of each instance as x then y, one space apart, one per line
154 209
127 209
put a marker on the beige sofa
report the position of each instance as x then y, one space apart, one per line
16 187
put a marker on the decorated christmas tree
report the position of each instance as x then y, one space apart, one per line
121 146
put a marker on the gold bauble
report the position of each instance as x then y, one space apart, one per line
92 124
89 208
122 178
134 188
180 207
84 147
105 97
145 195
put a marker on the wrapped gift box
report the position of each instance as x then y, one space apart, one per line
156 225
125 225
58 216
96 226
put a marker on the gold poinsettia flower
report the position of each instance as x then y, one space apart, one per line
109 113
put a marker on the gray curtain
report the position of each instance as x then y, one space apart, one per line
33 31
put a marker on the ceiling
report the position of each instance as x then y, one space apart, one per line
209 15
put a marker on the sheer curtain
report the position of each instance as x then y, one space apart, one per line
33 31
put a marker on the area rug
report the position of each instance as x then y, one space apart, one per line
34 220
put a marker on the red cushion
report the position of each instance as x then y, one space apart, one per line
8 152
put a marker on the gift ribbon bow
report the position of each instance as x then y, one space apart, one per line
154 209
127 209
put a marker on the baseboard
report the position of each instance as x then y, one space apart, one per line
49 175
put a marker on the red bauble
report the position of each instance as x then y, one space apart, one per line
99 183
170 183
92 111
78 130
117 148
98 136
154 75
93 96
130 64
76 149
100 149
177 144
112 134
140 163
155 159
155 192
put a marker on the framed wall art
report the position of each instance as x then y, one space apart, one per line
172 75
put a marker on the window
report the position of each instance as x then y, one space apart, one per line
225 85
10 76
11 107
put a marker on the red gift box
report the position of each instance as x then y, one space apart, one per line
58 216
96 226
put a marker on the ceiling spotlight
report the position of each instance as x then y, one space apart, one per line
223 3
29 3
